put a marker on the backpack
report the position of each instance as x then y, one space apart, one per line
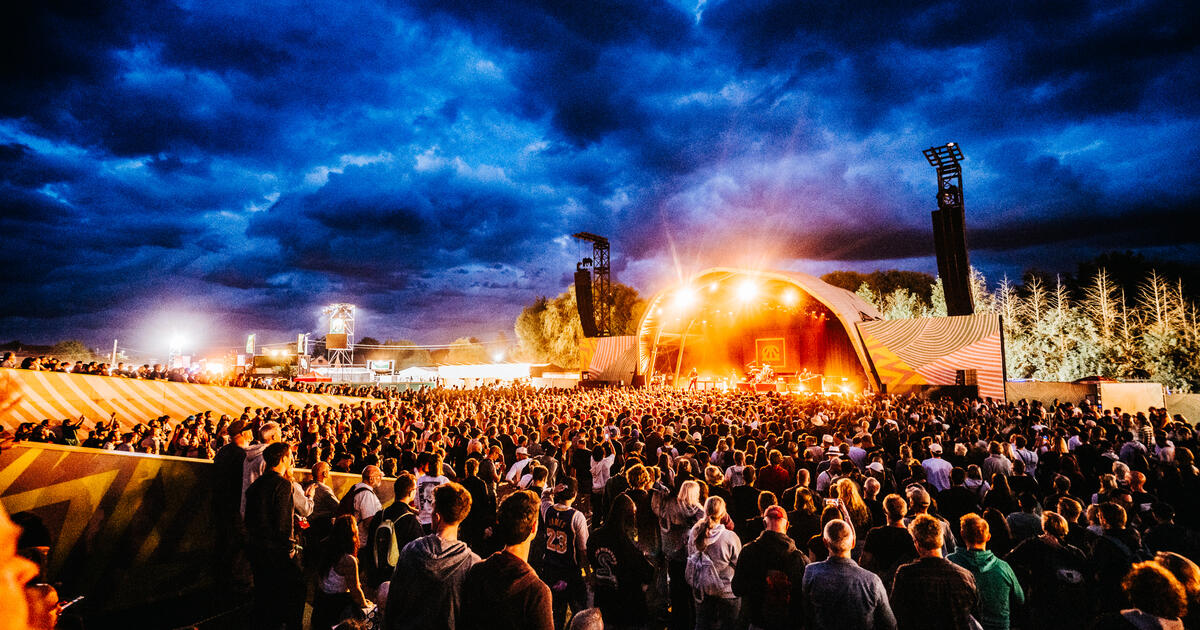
385 551
346 505
1141 554
701 574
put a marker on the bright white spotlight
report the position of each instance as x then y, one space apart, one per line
747 291
685 297
791 297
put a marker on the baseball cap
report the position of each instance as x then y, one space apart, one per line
521 450
876 466
935 448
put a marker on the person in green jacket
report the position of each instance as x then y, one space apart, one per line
1000 593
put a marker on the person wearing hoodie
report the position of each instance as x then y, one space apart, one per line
620 571
1000 594
711 538
253 466
426 588
504 592
770 574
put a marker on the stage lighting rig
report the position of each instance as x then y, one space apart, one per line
949 229
339 342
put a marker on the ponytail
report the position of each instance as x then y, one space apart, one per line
714 511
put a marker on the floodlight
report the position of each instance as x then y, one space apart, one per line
685 297
791 297
747 291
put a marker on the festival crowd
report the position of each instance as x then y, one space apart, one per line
160 372
653 508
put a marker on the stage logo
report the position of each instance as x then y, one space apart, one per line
771 351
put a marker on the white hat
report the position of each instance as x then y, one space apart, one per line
521 450
876 466
935 448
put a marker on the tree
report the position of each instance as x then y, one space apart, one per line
368 341
405 357
549 330
467 350
71 350
883 283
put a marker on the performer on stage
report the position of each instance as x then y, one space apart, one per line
693 378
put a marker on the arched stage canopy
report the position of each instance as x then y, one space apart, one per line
724 319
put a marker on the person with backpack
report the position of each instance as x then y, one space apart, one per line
770 575
1055 576
425 591
713 552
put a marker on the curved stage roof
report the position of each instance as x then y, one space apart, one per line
659 328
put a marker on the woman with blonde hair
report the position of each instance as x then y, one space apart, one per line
846 491
716 605
676 516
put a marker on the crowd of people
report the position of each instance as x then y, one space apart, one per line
655 508
160 372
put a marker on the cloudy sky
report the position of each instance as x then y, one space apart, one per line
218 168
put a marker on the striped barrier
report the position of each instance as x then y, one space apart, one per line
57 396
126 529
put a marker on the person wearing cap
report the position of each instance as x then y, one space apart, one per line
771 565
517 470
937 470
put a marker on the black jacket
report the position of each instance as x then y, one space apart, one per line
269 509
769 578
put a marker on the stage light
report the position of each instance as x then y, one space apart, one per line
747 291
498 357
685 297
791 297
713 286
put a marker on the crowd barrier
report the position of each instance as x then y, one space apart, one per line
59 395
127 529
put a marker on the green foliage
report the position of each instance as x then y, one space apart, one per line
882 283
72 350
549 331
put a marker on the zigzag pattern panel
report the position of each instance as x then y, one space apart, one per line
56 396
924 340
930 351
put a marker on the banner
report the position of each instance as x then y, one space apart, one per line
771 351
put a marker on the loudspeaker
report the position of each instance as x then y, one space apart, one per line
583 300
336 341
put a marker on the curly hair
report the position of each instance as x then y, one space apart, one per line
1152 589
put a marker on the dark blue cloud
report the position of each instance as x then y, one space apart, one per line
233 166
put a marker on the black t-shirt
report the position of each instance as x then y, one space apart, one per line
889 547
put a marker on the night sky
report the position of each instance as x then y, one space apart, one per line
218 168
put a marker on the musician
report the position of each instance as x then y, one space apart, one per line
693 379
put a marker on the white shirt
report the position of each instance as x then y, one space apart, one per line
425 486
366 506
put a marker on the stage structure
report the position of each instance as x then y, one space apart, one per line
593 288
727 324
949 230
339 342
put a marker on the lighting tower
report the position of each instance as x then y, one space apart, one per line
601 287
949 230
339 342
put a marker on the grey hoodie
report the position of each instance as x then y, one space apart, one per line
426 588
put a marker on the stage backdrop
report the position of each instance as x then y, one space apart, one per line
909 353
57 396
127 529
609 358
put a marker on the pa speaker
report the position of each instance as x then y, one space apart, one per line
583 300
